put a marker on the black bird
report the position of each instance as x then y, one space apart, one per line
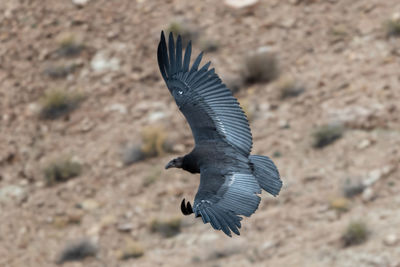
230 178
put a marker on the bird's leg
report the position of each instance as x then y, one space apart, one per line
186 208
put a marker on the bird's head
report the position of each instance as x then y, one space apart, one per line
175 163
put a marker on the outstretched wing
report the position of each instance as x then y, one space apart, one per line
208 105
221 199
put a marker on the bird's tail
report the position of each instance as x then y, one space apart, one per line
267 174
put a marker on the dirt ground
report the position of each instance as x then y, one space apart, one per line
337 49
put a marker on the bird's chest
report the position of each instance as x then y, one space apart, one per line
216 157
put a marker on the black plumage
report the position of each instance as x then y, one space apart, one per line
230 178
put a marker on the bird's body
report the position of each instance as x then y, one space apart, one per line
230 178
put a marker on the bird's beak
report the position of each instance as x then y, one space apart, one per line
169 165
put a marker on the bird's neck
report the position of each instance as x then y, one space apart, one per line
189 163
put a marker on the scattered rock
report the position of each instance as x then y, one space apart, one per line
178 148
13 192
125 227
377 174
89 205
368 194
121 108
267 247
103 62
108 220
238 4
156 116
77 250
283 124
391 240
364 144
352 188
80 2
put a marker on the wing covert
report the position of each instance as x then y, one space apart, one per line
207 104
221 199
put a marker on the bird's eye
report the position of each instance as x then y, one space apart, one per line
180 92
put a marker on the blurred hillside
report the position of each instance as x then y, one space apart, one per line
87 126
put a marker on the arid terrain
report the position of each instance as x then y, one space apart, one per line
339 70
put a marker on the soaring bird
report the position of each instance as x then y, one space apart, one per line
230 178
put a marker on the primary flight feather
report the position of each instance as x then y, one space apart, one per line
230 178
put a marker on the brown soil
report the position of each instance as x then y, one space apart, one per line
337 49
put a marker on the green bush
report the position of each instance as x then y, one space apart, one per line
61 170
261 66
327 134
56 103
167 228
355 233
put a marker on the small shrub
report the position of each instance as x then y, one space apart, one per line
180 28
261 66
209 45
151 178
132 250
233 82
132 154
167 228
77 250
327 134
355 233
393 25
69 45
56 103
338 33
351 188
340 204
154 141
61 171
288 88
248 109
277 154
59 71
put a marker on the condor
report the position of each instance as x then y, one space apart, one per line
230 178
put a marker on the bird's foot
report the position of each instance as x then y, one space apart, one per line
186 208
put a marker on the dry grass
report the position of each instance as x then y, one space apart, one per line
61 170
151 178
132 154
60 71
327 134
69 44
154 141
56 103
340 204
355 234
167 228
288 87
261 66
180 28
132 250
393 25
77 251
